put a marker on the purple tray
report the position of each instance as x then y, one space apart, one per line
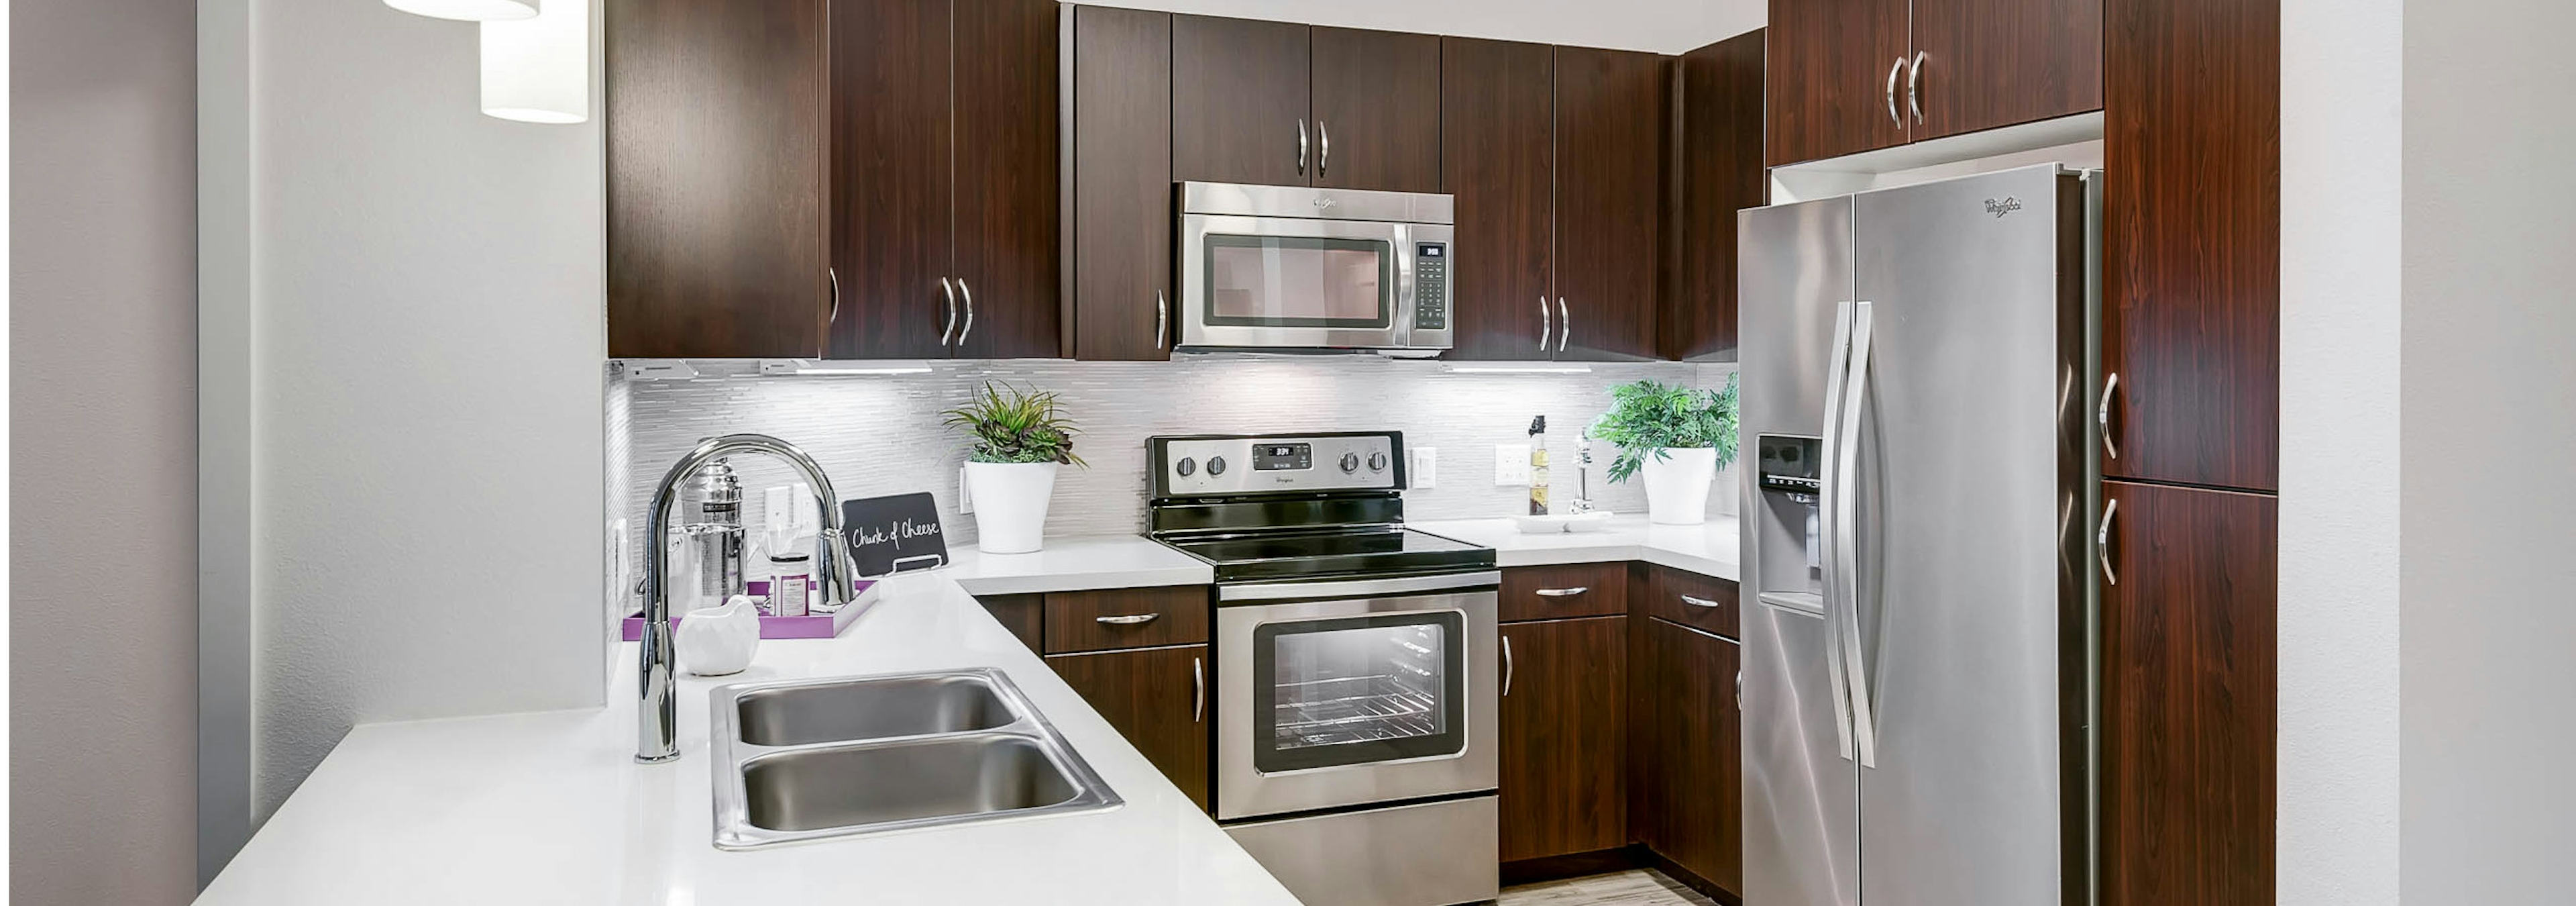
814 626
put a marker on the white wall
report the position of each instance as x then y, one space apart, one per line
2488 411
2340 369
425 295
1662 26
102 407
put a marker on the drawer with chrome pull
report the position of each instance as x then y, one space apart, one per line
1564 590
1126 618
1688 598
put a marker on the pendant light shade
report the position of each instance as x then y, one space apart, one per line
538 70
468 10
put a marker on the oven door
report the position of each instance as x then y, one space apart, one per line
1355 700
1284 282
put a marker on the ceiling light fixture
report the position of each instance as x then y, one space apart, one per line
537 70
469 10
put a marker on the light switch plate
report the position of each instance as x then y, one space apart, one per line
1511 465
1426 467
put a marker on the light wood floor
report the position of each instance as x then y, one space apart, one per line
1638 887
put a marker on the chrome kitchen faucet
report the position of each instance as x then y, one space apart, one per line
656 716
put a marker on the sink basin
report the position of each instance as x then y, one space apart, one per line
816 759
854 709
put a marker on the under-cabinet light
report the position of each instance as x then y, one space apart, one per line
537 70
809 367
470 10
1528 368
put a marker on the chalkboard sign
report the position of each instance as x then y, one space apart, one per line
894 534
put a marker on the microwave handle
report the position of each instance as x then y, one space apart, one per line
1542 324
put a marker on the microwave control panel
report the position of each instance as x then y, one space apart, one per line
1431 286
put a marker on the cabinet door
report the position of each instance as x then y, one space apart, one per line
890 178
1694 773
2188 653
1158 699
2191 254
1609 193
1989 63
1122 184
1564 737
1377 109
1007 254
715 179
1239 102
1720 173
1830 63
1498 157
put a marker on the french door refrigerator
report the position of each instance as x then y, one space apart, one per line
1917 685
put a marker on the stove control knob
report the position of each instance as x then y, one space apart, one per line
1185 466
1350 462
1377 462
1216 465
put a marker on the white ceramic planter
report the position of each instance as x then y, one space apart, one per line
1010 504
1677 485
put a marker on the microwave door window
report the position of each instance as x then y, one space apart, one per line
1295 281
1359 690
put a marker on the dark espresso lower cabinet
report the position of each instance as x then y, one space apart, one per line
1158 699
1690 784
1564 737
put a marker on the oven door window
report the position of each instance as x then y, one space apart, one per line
1300 281
1359 689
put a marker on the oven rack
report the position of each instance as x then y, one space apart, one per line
1353 709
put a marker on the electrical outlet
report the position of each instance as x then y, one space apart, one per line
1426 468
1511 465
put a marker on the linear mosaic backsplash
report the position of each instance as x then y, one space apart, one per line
878 435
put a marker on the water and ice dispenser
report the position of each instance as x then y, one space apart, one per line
1789 470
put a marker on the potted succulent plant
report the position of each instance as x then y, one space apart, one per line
1678 436
1020 439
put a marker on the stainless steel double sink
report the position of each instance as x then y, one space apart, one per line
816 759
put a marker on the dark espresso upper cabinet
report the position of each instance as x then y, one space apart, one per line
1007 258
1119 237
1498 158
1847 76
890 180
1610 114
1719 172
1376 108
1239 102
715 179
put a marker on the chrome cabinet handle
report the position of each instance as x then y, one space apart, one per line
1698 602
1563 592
1564 324
2102 416
1913 82
1162 318
1198 691
1301 147
835 277
1128 620
949 292
1542 324
1324 148
969 294
1892 73
2102 540
1507 665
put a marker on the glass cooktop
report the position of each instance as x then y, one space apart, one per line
1332 554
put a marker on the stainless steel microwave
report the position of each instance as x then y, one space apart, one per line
1298 268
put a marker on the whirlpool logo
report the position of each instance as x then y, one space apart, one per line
2008 205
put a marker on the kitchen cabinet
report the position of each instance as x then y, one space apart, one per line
1561 591
1023 615
1118 238
2191 272
1847 76
1718 172
715 179
1376 108
1007 257
2189 642
1239 102
1685 598
1498 158
1158 699
1610 114
1126 618
1690 771
1564 729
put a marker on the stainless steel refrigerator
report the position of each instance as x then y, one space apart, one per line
1917 684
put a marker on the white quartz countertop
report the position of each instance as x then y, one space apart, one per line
1707 548
1077 563
551 807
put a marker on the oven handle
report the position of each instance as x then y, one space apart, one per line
1359 588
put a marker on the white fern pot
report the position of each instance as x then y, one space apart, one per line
1010 504
1677 484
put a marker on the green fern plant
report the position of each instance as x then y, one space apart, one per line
1648 417
1011 425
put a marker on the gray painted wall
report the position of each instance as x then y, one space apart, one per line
102 425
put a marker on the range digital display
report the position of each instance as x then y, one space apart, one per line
1282 457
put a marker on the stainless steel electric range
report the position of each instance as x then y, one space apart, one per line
1355 662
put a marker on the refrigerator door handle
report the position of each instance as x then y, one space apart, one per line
1829 494
1846 535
